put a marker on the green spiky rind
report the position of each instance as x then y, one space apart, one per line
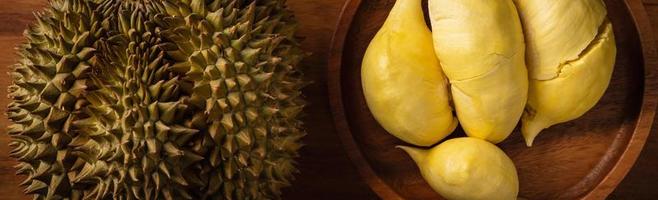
169 100
48 95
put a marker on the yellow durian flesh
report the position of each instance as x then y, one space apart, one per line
576 90
402 81
467 169
571 54
557 31
481 49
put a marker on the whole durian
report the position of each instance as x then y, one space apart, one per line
173 99
467 168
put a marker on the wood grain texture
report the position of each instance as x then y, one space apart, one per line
650 2
641 181
644 123
326 172
581 159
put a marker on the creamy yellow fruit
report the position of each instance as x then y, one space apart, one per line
467 169
481 49
570 56
402 81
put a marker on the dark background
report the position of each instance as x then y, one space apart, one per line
326 171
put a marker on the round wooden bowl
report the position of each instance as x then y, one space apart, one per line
582 159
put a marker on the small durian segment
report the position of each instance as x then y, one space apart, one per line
402 81
481 49
571 55
467 169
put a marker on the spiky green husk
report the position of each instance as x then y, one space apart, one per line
175 99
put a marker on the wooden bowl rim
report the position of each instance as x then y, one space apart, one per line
602 189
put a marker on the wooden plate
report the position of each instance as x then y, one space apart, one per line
582 159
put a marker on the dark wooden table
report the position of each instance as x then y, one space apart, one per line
326 172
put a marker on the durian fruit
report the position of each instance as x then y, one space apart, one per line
571 55
173 99
481 49
467 169
402 81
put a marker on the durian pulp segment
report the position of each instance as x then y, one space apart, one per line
571 54
467 169
481 49
402 80
578 87
188 99
557 31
